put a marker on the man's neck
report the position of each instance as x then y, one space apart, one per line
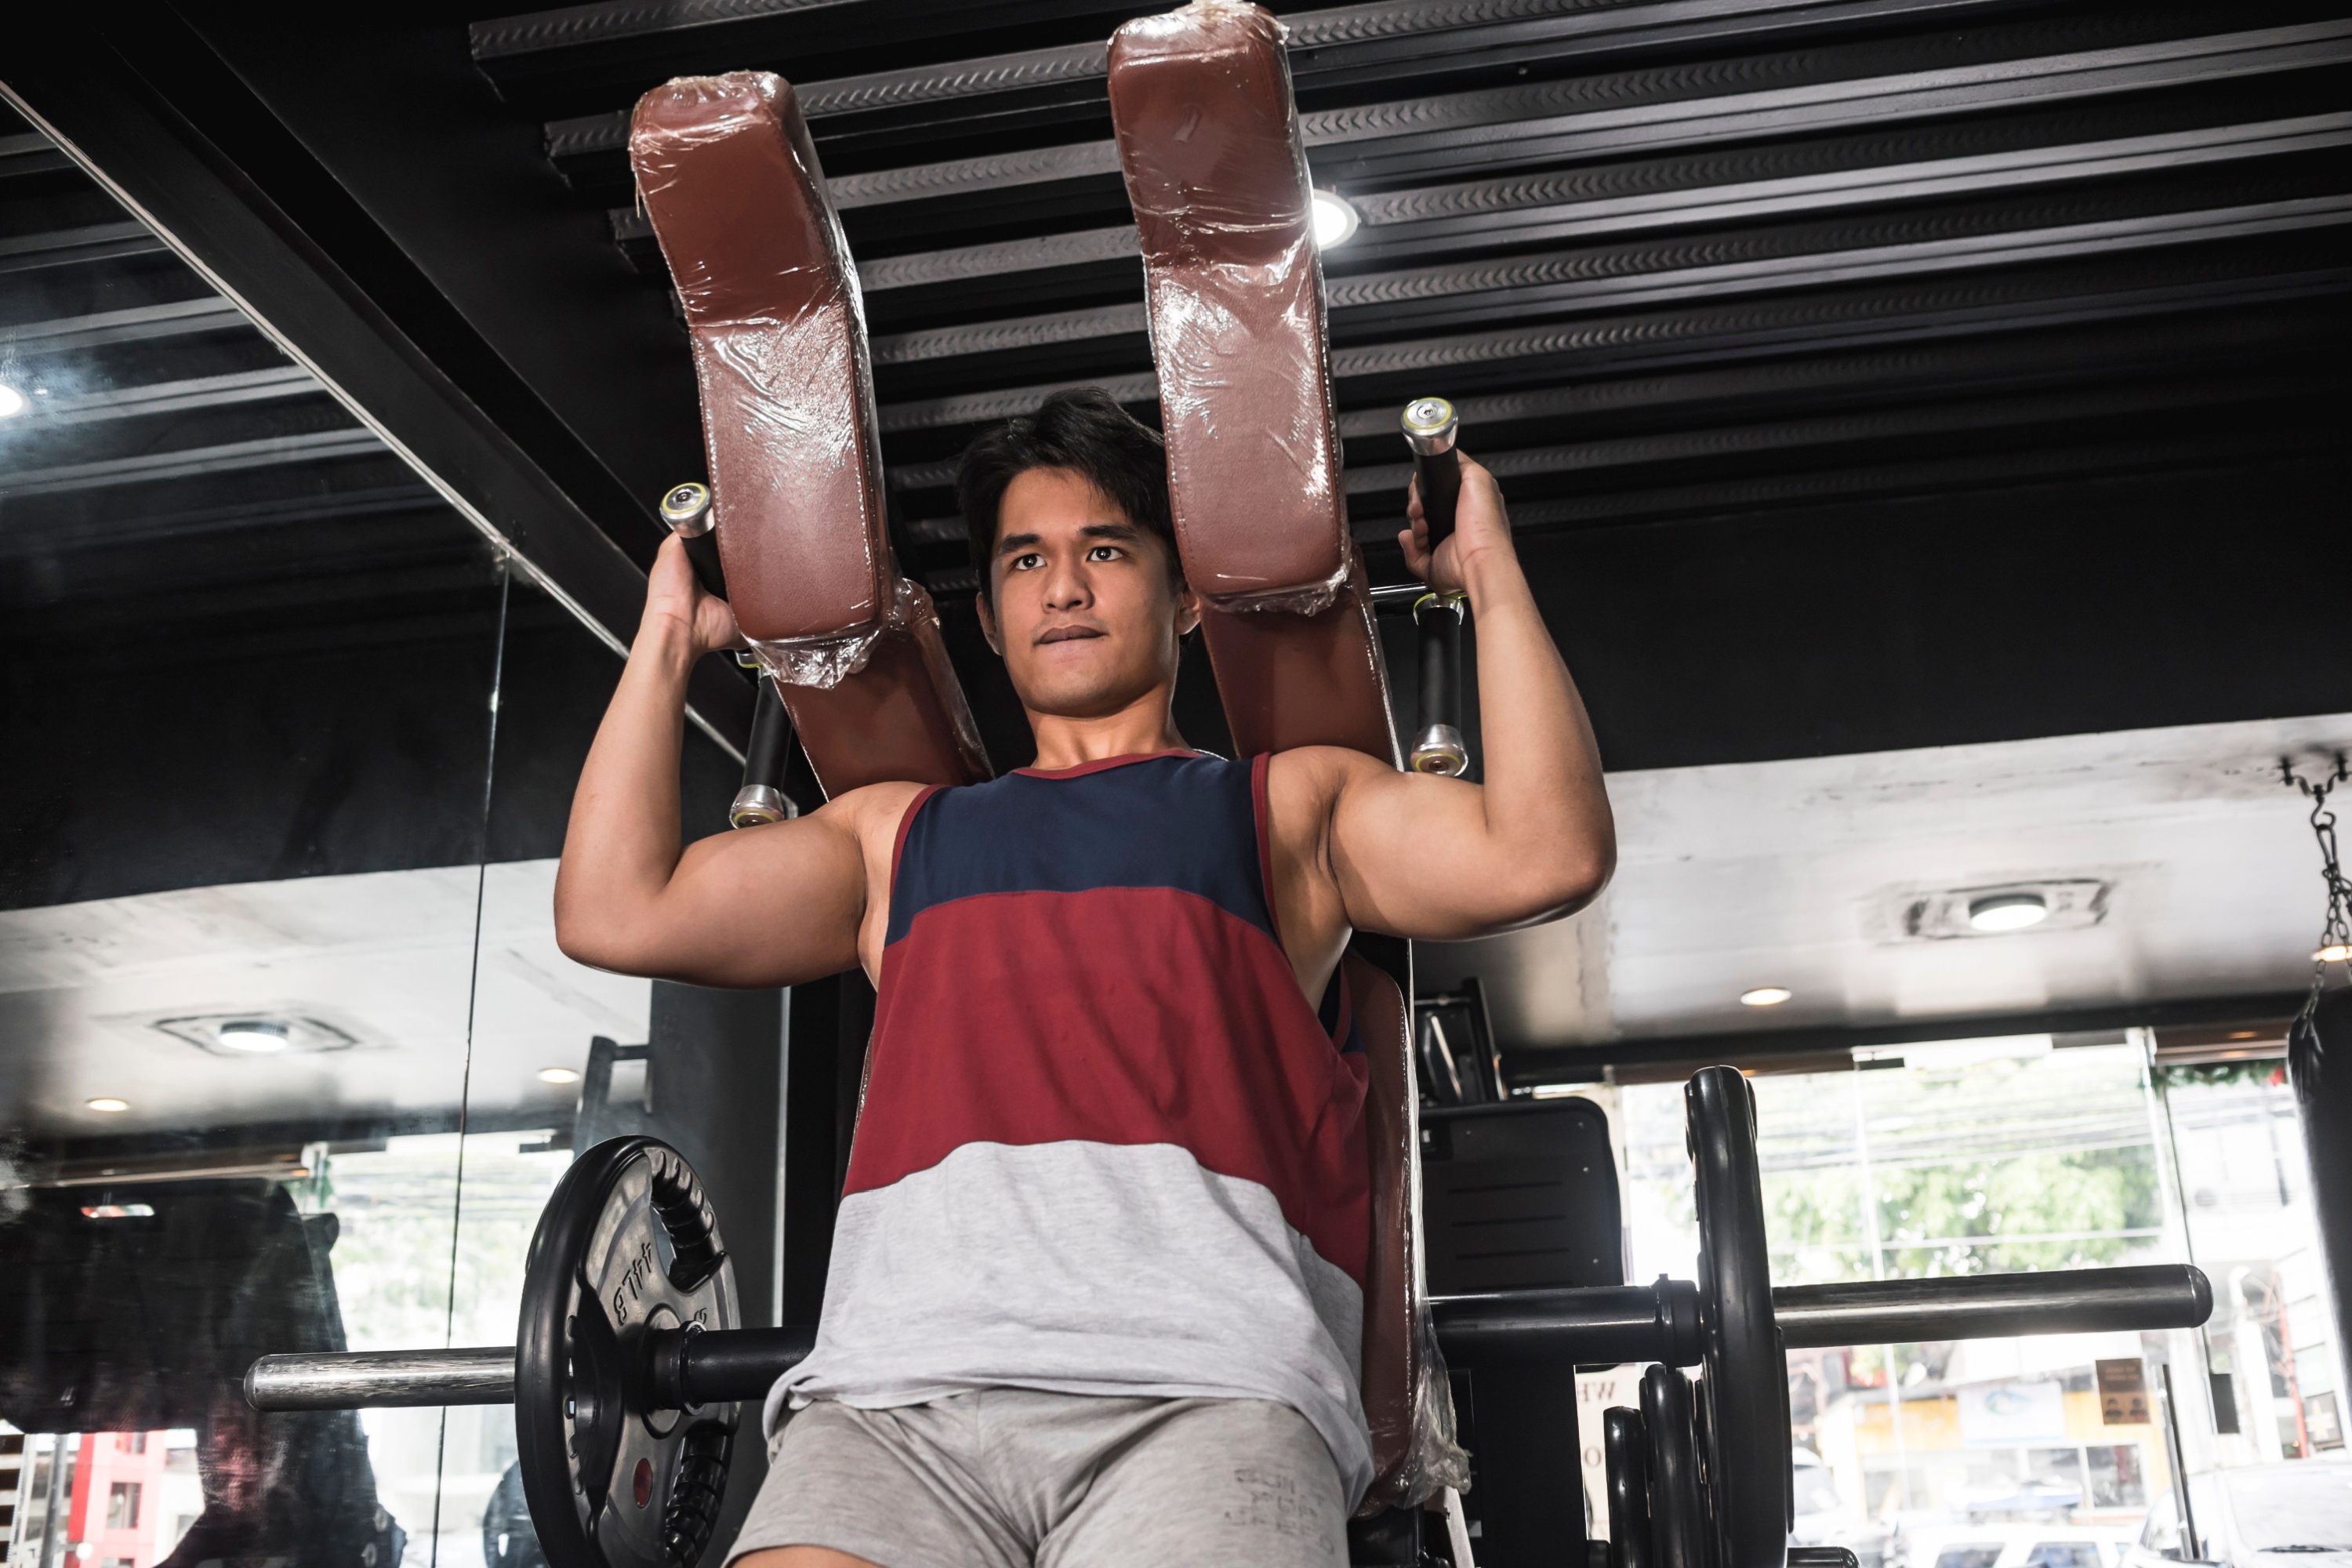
1140 728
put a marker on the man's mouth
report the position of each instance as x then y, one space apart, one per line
1066 633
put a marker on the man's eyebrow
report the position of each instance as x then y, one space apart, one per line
1011 544
1110 530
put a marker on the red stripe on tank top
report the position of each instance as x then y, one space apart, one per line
998 1022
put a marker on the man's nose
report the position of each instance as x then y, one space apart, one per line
1066 585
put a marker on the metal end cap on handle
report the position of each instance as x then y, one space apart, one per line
1451 601
1440 751
756 805
685 510
1429 425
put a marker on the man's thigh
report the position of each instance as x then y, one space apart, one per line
883 1487
1206 1484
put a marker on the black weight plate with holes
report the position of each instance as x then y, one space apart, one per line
1748 1456
1679 1533
1625 1451
627 1246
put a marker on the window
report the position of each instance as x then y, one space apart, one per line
1984 1555
123 1506
2118 1480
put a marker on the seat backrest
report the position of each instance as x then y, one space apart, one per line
731 182
1519 1196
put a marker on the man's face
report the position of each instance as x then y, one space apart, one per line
1083 608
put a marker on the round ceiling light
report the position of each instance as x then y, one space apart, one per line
255 1036
2008 911
557 1075
109 1104
1334 220
1765 996
11 402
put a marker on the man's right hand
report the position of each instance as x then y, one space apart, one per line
674 598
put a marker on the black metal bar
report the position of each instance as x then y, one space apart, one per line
741 1363
762 799
1993 1306
2319 1065
1605 1324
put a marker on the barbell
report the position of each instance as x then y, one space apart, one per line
631 1357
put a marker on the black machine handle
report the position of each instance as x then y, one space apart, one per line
1430 427
762 798
686 510
1438 746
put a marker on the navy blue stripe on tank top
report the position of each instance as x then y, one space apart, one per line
1170 821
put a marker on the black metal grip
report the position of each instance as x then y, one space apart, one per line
1440 660
1438 478
702 550
772 735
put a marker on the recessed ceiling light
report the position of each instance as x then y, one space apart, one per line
118 1211
2334 953
557 1075
11 402
1334 220
1765 996
2008 911
109 1104
255 1036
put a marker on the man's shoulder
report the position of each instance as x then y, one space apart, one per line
871 810
1309 779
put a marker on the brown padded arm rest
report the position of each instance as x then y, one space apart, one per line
727 173
1393 1381
1201 99
1209 140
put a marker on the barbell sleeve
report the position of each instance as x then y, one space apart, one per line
354 1380
1993 1306
1604 1324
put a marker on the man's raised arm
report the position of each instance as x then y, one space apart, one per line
765 906
1421 856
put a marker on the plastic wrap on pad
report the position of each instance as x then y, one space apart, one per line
1408 1400
730 180
898 716
1215 172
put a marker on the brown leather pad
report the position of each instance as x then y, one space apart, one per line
1304 681
727 173
1209 140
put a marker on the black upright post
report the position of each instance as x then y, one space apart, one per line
2319 1063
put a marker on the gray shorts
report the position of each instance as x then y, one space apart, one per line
1010 1478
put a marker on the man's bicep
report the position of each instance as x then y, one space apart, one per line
1401 846
767 906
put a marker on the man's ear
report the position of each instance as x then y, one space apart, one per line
1188 611
987 619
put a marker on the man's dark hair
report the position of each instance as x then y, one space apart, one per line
1085 431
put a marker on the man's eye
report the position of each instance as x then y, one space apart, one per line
1024 563
1103 553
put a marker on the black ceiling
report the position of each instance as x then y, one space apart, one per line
1862 373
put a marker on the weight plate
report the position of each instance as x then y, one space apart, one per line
627 1249
1679 1534
1625 1450
1746 1434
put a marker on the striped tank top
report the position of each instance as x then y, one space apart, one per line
1107 1145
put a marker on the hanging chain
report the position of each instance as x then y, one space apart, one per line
2335 945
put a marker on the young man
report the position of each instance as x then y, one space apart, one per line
1096 1288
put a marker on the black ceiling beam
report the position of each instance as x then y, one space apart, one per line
1524 1065
182 394
78 77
